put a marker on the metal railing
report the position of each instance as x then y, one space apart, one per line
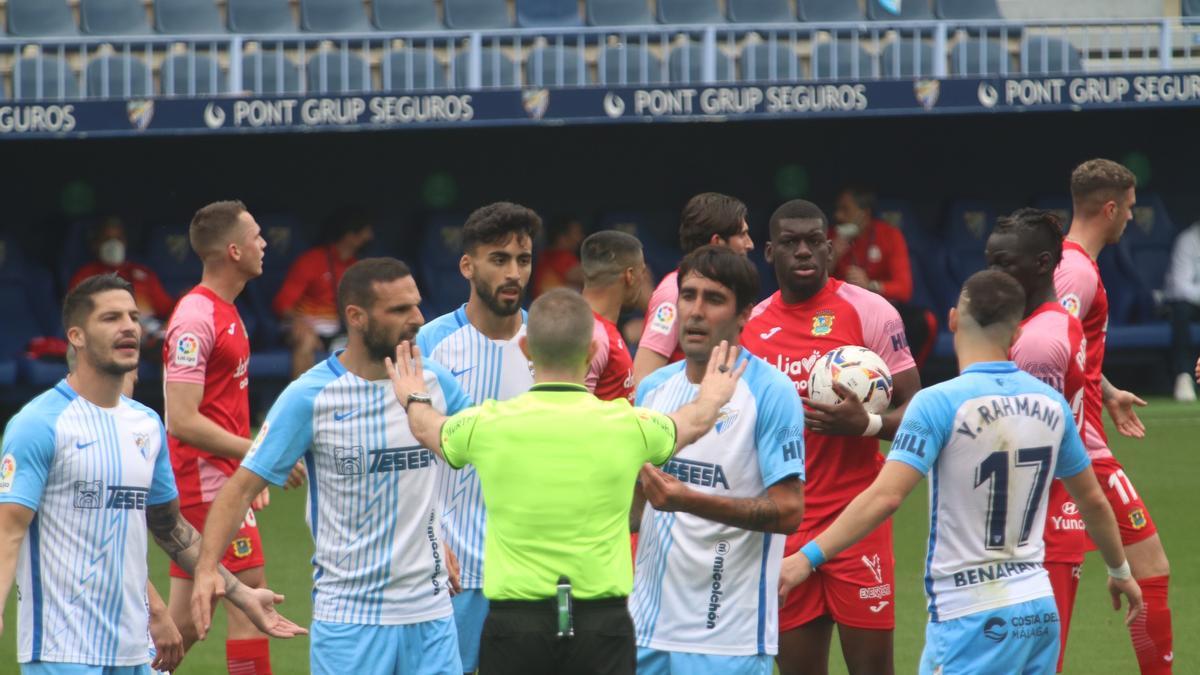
207 65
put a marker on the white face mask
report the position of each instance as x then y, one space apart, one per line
112 252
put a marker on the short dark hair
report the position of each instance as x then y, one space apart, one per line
1097 181
1043 227
725 267
212 224
497 222
706 214
559 329
78 304
357 286
862 197
605 255
993 297
342 221
796 209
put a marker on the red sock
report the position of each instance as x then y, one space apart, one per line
248 657
1151 631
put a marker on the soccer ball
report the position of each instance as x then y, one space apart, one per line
859 369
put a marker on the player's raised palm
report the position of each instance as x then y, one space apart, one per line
721 377
259 607
1120 409
405 371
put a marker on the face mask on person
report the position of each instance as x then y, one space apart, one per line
112 252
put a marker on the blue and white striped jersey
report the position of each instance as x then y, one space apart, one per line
371 504
701 586
88 473
486 369
990 440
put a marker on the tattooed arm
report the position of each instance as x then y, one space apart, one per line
780 511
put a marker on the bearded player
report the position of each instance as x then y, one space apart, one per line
1102 196
810 315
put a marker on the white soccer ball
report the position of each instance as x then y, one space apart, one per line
857 368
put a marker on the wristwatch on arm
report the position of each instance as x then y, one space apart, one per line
417 397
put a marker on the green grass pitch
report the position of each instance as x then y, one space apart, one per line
1163 468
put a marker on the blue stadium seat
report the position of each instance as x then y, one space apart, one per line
118 76
968 227
619 13
689 11
40 18
1190 8
910 10
178 17
554 67
973 10
169 253
760 11
496 69
476 14
443 287
1042 55
631 64
333 16
270 72
687 61
408 69
966 59
57 78
829 11
1151 224
548 13
260 16
842 60
762 63
1152 263
113 17
1060 205
650 227
907 58
338 70
195 75
405 15
286 239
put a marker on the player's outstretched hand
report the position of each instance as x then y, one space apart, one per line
1132 592
168 642
297 476
406 372
664 491
1120 409
261 500
453 571
848 417
721 377
794 570
207 586
259 605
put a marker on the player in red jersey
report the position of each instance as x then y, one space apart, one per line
707 218
612 281
1050 346
1103 195
206 356
811 314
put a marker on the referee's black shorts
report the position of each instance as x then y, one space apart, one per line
521 637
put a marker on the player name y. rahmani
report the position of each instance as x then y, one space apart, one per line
1007 406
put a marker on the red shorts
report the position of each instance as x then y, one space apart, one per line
1133 518
1065 534
1064 578
856 588
244 553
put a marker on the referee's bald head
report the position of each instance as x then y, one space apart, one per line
559 331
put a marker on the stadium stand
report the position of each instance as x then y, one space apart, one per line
260 16
556 67
631 64
476 14
910 10
410 69
1050 56
907 57
686 65
842 59
970 10
761 62
759 11
443 287
405 15
497 69
339 70
192 74
689 11
40 18
118 76
1190 8
113 17
619 13
44 77
828 11
182 17
270 72
333 16
548 13
980 57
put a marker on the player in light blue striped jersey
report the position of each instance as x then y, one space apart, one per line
83 471
990 440
381 585
480 343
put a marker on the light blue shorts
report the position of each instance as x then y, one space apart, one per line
426 648
658 662
51 668
1015 639
470 609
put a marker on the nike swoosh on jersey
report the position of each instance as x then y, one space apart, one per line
81 446
339 416
771 333
456 373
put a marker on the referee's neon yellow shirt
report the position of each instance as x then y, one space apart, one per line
557 467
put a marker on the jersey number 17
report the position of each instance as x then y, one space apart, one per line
995 470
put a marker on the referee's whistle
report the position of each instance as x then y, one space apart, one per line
566 623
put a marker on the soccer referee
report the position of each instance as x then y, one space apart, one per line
557 467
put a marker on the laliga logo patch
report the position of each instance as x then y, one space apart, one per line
927 92
664 319
187 350
140 113
725 419
535 102
258 441
1070 302
822 323
8 469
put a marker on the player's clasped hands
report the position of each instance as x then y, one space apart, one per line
793 572
845 418
258 604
